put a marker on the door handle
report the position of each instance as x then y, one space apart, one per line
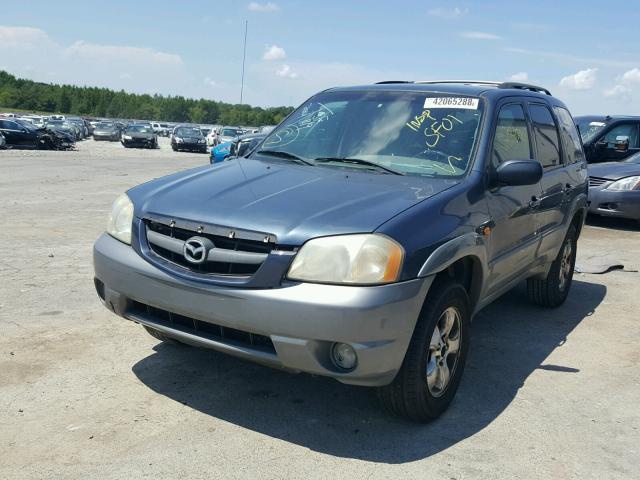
535 202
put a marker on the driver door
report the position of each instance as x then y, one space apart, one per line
514 237
610 147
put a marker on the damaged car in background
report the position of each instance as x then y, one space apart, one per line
22 134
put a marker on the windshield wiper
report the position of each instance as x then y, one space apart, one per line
358 161
285 155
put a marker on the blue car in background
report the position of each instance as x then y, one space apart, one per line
237 148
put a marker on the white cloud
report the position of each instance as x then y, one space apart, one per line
274 52
448 12
480 36
111 52
582 80
631 76
209 82
22 37
263 7
125 76
618 91
286 72
519 77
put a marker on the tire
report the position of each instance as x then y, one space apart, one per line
553 290
412 395
160 336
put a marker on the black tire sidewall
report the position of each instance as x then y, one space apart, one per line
443 296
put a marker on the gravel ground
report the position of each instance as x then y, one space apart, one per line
84 394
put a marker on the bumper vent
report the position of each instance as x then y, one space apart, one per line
198 328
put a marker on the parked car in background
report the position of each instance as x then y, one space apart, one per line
227 134
266 129
82 126
611 138
360 254
139 136
188 138
614 188
161 129
106 131
237 148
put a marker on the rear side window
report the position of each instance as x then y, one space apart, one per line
511 141
546 134
569 135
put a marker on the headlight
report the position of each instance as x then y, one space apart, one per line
625 184
201 140
127 137
178 139
120 219
366 259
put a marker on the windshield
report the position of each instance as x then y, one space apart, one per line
139 129
589 127
105 125
416 133
188 132
230 132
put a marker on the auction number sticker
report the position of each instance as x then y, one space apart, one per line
452 102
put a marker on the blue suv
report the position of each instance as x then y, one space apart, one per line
360 237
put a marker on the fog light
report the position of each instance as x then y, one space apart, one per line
344 356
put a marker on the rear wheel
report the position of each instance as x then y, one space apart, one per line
433 365
553 290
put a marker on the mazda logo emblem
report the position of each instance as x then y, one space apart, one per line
196 249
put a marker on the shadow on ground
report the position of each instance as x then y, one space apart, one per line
510 339
622 224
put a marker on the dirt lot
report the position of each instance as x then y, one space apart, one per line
84 394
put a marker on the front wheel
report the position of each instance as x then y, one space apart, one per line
433 365
553 290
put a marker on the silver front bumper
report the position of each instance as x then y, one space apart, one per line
302 320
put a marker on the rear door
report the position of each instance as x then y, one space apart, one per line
556 180
514 239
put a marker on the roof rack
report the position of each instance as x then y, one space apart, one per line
384 82
517 85
461 82
524 86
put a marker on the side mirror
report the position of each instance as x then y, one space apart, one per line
519 172
622 143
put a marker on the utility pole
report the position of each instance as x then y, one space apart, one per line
244 56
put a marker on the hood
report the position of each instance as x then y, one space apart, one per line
614 170
292 202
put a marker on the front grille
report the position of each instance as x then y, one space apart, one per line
226 244
595 182
198 328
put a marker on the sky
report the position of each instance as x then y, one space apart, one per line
584 51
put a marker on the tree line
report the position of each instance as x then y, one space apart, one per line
102 102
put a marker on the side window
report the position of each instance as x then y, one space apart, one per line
511 140
569 136
546 135
629 130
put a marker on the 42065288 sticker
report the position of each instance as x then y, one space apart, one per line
467 103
